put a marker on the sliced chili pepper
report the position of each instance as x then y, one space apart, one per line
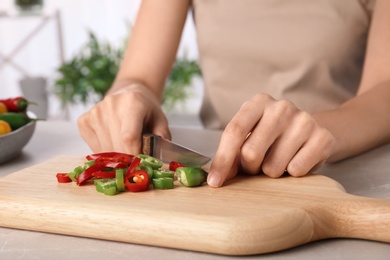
117 161
174 165
134 164
104 174
163 183
76 172
94 156
106 186
120 179
191 176
150 160
63 177
88 164
163 173
146 168
110 191
88 173
137 181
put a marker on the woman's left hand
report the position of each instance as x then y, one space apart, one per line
272 137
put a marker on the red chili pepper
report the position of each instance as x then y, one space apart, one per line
112 162
88 173
63 177
17 104
174 165
133 165
137 181
104 175
94 156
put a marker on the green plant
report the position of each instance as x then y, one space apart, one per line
90 73
178 82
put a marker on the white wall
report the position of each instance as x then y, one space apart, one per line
108 19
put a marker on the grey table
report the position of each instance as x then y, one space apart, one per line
364 175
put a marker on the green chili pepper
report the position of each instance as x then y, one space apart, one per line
163 183
88 164
191 176
150 160
16 120
147 168
163 173
120 179
106 186
76 172
110 191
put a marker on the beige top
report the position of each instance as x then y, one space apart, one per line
309 52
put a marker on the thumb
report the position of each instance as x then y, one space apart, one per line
160 127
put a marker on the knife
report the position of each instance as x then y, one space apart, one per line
168 151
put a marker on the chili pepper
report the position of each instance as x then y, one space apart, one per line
87 174
5 128
120 179
3 108
146 168
150 160
174 165
76 172
134 164
124 156
88 164
163 173
16 104
191 176
16 120
114 161
104 174
63 177
137 181
163 183
106 186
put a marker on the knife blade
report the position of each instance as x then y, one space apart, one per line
168 151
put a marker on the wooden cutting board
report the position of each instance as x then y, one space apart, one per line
250 215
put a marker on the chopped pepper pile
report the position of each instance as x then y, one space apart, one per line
113 172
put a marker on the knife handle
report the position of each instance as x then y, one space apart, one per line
148 143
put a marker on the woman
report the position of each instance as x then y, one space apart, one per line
284 79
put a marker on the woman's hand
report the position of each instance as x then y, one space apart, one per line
272 137
117 122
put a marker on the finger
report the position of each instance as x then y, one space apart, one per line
234 169
258 143
231 141
286 146
312 155
101 128
160 126
88 134
131 133
274 122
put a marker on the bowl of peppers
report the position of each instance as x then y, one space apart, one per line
17 126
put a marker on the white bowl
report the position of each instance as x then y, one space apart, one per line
11 144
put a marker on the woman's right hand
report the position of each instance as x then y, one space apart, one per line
117 122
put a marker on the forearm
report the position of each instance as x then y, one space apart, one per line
360 124
121 83
152 45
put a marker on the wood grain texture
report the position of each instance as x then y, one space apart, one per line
250 215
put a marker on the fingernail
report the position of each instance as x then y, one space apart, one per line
214 180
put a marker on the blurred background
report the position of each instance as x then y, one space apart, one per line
63 55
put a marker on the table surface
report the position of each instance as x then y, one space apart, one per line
364 175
